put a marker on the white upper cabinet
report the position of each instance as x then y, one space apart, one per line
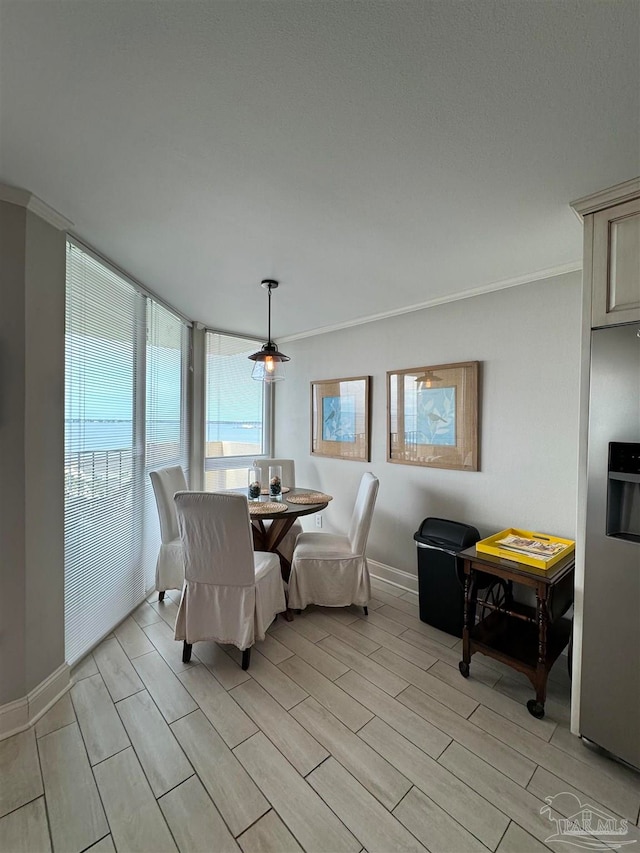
612 253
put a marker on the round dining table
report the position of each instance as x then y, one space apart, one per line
269 538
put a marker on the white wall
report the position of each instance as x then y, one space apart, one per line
45 277
527 339
12 445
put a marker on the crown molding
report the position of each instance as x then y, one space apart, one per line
49 214
606 198
14 195
540 275
31 202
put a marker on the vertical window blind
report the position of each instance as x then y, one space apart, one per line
126 361
237 411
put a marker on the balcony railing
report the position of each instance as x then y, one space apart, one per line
97 474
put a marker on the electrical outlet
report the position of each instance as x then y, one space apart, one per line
318 519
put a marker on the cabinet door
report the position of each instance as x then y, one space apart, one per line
616 265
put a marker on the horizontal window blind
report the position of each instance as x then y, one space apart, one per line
167 419
126 412
103 577
167 360
236 411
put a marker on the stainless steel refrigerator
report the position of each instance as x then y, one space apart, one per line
610 686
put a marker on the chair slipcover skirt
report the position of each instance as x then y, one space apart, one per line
327 573
170 566
237 615
330 569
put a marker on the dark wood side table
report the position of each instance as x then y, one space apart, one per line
527 638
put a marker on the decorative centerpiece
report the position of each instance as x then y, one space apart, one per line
275 482
255 486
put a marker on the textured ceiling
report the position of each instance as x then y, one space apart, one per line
370 155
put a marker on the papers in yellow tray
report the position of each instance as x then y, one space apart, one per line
527 546
543 550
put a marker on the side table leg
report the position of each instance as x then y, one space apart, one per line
536 706
463 666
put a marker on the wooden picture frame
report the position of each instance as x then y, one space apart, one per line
432 416
340 418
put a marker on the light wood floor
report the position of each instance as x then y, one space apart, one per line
348 732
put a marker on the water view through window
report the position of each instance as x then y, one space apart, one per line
234 411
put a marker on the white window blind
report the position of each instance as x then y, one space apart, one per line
126 380
167 419
237 411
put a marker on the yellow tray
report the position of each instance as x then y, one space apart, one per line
490 546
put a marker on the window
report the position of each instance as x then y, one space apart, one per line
237 427
126 358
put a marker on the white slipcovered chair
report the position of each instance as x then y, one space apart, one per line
288 470
231 593
331 569
169 566
288 479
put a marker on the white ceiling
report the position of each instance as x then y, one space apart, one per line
370 155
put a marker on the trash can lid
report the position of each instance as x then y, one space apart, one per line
448 535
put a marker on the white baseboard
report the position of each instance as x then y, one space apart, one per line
47 693
14 717
396 577
18 715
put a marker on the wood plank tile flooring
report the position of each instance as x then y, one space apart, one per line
346 733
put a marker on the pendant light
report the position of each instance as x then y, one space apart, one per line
268 362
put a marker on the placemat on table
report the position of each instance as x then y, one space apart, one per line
310 498
284 490
266 508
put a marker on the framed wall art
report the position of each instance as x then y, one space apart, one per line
432 416
340 418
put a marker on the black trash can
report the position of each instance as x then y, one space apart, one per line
440 574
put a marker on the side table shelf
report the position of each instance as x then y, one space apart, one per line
529 639
514 642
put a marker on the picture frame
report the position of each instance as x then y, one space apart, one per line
432 416
340 418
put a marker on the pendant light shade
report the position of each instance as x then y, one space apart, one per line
268 361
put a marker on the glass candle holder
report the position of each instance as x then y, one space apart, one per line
254 485
275 482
